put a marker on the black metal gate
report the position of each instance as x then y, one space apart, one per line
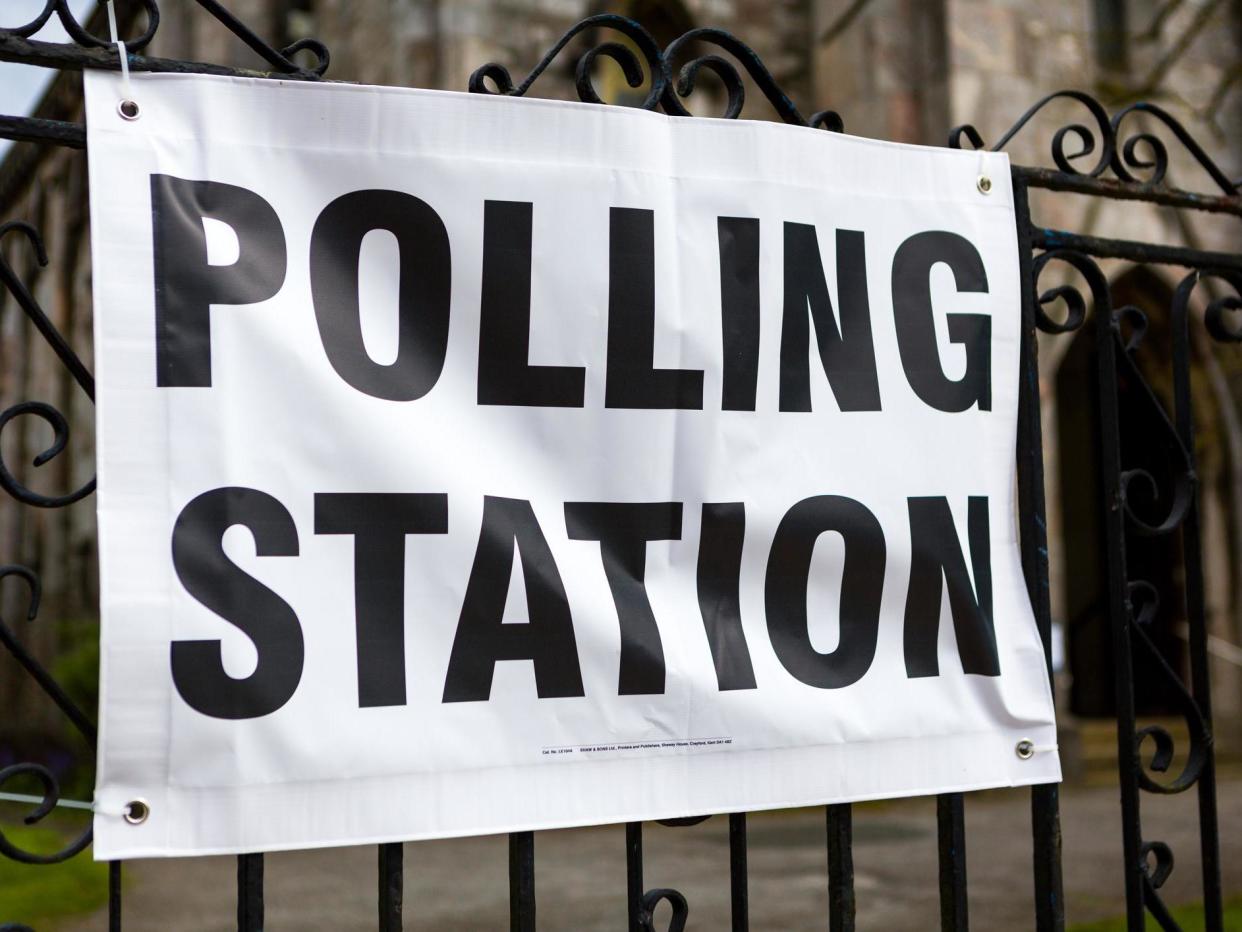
1135 502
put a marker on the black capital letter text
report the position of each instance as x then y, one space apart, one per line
632 381
423 295
916 330
505 374
379 522
623 531
937 556
241 600
862 582
483 638
848 353
186 285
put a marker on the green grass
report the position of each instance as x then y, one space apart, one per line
1188 917
39 895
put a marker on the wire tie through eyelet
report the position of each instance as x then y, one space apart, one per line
137 811
128 108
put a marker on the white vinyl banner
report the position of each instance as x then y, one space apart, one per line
471 464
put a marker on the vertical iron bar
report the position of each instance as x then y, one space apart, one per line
951 829
250 893
634 874
1046 835
114 896
840 868
1033 529
522 882
1200 684
391 886
738 876
1119 613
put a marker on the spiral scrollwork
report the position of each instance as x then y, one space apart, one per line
501 82
653 898
1129 326
1221 322
1143 602
280 59
630 67
729 76
1157 862
1140 159
1068 295
323 58
12 283
46 780
51 796
687 79
1218 325
1085 149
62 11
1076 309
1222 318
1154 747
1089 139
1129 156
60 440
656 68
1156 866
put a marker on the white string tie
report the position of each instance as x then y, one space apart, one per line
128 107
1026 749
102 809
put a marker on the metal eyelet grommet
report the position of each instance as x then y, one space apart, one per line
129 110
984 184
1025 749
137 811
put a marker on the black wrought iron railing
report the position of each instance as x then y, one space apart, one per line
1115 166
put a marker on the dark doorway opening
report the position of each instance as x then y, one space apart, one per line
1155 559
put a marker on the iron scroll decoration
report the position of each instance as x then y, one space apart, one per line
656 69
1133 166
1122 330
1139 165
1125 158
281 60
